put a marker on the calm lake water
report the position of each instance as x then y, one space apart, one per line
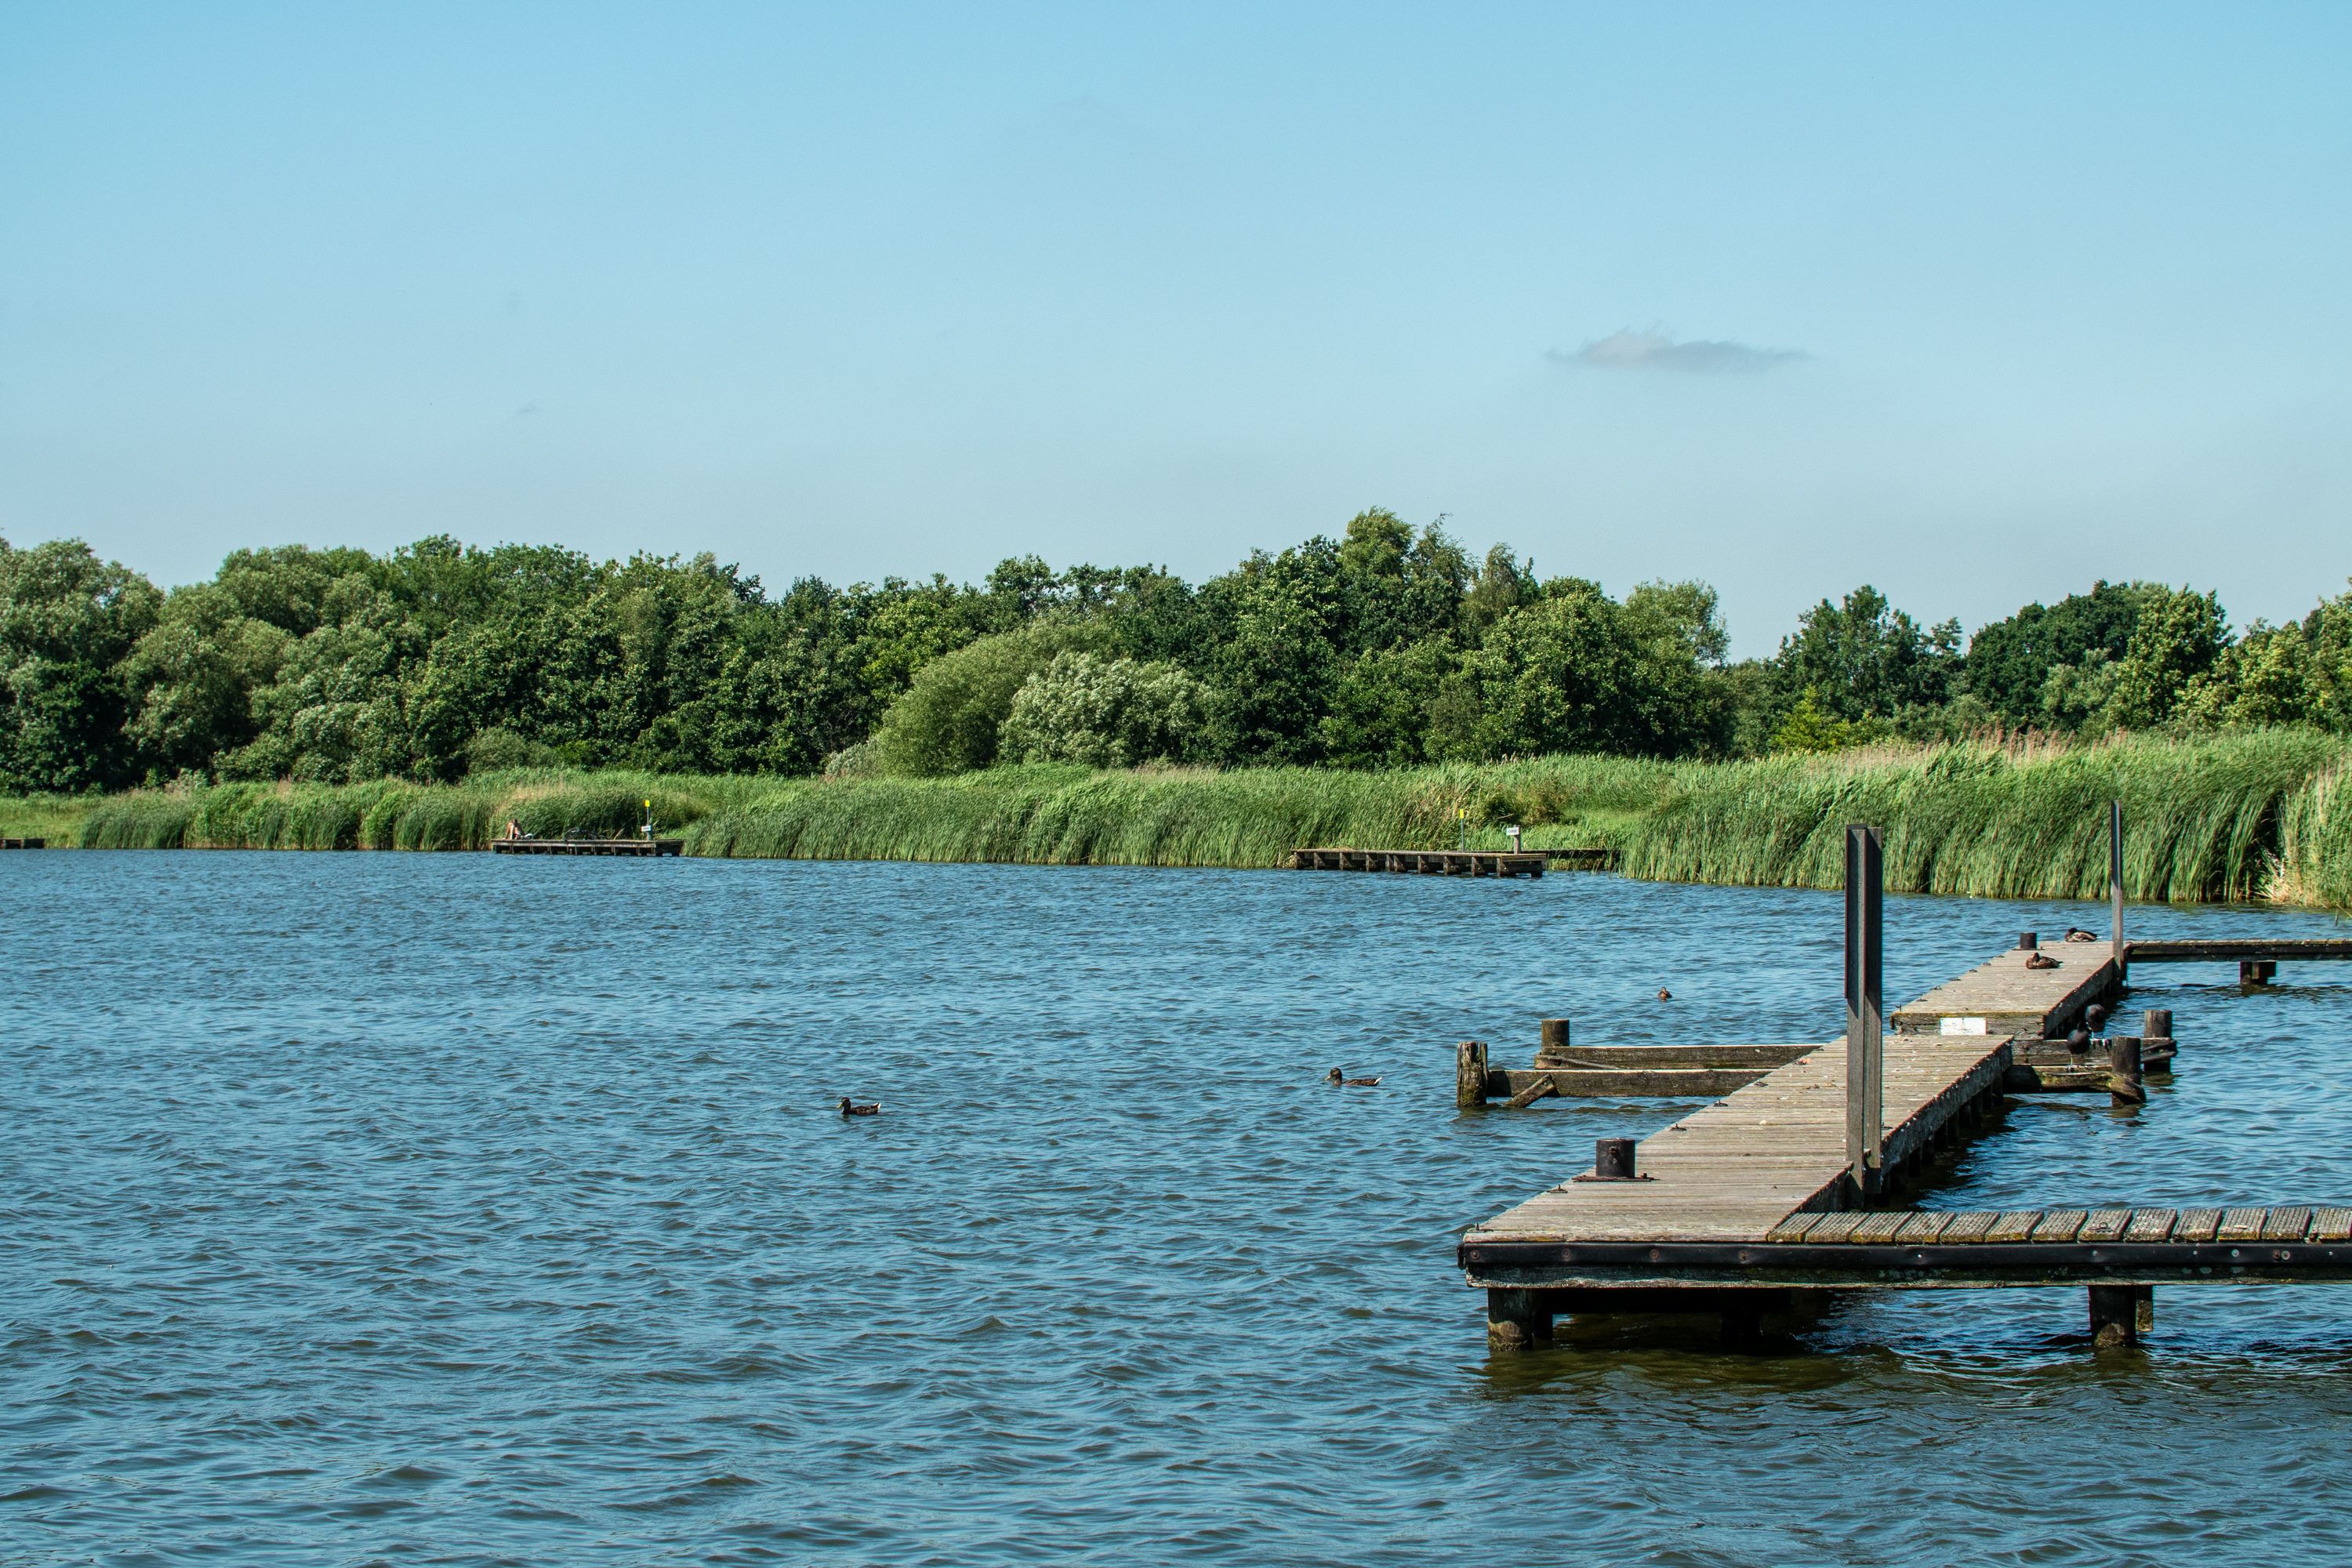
411 1208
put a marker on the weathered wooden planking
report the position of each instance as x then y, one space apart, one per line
2003 996
2250 950
1625 1083
1737 1168
1763 1058
1918 1250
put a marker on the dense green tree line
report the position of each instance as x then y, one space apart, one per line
1385 645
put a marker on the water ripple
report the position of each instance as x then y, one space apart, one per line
438 1207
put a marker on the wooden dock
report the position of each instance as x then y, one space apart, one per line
1426 862
1732 1207
23 844
635 846
2003 996
2257 959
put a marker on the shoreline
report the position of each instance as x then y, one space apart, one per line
2245 818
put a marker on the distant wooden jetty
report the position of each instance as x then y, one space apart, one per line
637 847
1792 1179
1426 862
23 844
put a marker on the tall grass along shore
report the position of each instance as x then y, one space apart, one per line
2257 813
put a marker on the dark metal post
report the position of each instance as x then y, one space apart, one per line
1865 1092
1612 1158
2116 884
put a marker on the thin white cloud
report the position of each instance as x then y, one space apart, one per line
1653 350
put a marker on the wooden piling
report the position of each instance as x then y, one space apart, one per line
2121 1313
1518 1319
2124 1080
1469 1074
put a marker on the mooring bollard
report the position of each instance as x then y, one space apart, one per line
2124 1085
1469 1074
1555 1037
2029 939
1612 1158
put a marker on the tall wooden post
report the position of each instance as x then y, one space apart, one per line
2115 885
1865 1089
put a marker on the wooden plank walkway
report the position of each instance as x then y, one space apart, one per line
639 847
1739 1201
1426 862
1736 1169
2002 996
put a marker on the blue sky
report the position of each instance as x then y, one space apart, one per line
1978 305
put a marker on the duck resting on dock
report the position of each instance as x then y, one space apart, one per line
2076 933
2039 961
849 1108
1336 1076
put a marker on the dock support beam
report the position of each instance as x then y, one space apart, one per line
1518 1319
2121 1313
1469 1074
1866 1060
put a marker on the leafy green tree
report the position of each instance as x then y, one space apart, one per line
1865 657
195 673
1274 670
1809 728
68 621
2009 663
1386 702
2178 636
1105 713
951 717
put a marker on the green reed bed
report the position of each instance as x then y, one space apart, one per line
390 814
2256 814
1172 816
2203 819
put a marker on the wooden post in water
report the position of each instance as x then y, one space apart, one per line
2116 886
2124 1082
1518 1319
2121 1313
1865 1092
1469 1074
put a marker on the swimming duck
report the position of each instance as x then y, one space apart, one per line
1665 994
1334 1076
2038 961
850 1109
